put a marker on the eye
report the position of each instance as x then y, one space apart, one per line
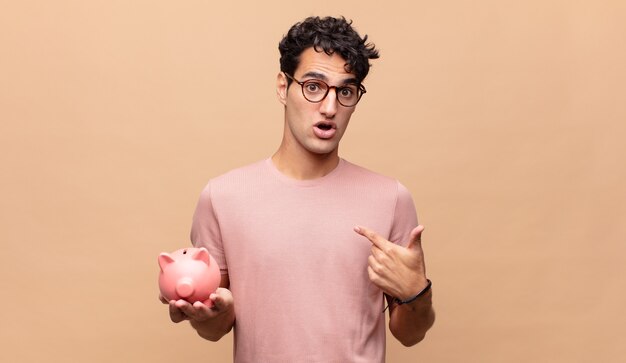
346 92
313 86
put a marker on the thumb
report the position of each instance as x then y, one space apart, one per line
218 301
221 298
415 239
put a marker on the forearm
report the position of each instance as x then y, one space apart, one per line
409 322
214 329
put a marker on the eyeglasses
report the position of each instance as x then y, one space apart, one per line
316 91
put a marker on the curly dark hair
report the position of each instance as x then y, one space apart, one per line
329 35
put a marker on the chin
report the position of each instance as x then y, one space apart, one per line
322 151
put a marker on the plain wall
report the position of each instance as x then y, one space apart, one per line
505 120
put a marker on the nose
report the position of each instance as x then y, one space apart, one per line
184 287
329 105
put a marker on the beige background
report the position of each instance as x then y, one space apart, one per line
505 119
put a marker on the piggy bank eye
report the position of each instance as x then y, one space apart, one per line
184 252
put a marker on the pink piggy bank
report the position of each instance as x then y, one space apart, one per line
190 274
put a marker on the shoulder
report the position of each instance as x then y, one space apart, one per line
381 184
242 172
361 174
235 177
235 182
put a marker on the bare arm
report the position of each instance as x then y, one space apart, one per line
409 322
210 323
400 272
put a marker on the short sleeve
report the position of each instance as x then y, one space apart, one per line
405 217
205 229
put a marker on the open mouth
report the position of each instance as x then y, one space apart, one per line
324 127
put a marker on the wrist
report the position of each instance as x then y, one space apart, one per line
415 297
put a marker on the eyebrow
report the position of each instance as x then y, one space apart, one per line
321 76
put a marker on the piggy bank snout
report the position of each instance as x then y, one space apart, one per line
184 287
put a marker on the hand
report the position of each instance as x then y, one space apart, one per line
398 271
181 310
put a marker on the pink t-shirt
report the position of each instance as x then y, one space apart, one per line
298 271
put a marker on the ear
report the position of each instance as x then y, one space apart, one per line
164 260
201 254
281 88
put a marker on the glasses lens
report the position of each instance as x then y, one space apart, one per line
314 90
348 95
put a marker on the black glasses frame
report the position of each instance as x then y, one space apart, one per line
360 90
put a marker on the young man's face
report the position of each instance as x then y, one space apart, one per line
316 127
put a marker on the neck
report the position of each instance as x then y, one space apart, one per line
304 165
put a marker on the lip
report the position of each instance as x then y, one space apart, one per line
325 134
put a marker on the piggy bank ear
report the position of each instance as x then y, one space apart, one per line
164 260
201 255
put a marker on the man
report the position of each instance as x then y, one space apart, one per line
300 280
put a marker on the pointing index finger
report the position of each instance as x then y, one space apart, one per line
374 237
